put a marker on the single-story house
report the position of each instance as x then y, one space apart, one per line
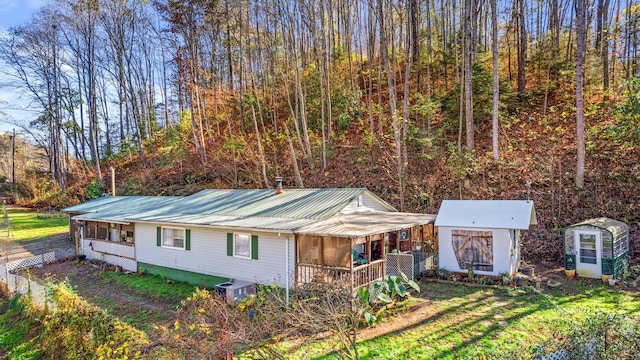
483 235
597 247
289 237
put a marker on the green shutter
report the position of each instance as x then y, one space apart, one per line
187 245
254 247
229 244
159 241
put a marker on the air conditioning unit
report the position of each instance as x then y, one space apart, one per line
235 290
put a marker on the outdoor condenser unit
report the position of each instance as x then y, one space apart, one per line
235 290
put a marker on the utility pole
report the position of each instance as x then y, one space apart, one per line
113 181
13 156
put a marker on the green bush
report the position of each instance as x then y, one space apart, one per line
93 190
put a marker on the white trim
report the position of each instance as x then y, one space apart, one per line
235 238
184 238
214 227
587 269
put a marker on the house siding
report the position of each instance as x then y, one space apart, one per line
502 251
112 253
208 255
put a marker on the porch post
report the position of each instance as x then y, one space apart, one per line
295 262
351 277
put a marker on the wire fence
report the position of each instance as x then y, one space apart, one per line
24 286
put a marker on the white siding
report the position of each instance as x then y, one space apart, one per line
112 253
367 203
502 251
208 255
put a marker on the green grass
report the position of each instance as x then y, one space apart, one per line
26 225
459 322
151 286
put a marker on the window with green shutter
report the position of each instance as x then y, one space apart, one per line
229 244
174 238
242 245
254 247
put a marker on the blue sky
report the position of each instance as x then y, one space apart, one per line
17 12
14 13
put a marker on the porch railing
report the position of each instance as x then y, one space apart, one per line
361 275
364 275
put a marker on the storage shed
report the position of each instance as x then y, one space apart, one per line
483 235
597 247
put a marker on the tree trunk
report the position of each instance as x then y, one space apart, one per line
496 82
522 49
469 27
392 102
580 43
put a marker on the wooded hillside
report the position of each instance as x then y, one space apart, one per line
417 100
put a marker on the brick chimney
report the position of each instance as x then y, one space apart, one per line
279 185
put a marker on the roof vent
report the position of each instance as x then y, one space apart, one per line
279 185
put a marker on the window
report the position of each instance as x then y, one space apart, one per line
242 246
173 238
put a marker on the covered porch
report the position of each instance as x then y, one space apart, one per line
351 249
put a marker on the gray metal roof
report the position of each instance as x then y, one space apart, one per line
237 209
256 209
366 223
293 203
495 214
117 209
614 226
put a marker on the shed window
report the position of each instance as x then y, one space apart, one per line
173 238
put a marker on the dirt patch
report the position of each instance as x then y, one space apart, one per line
94 285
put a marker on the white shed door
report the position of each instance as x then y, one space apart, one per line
588 259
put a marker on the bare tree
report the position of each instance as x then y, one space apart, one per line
469 26
496 81
580 7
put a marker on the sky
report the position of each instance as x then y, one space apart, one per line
14 13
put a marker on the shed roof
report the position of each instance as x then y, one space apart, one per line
366 223
614 226
496 214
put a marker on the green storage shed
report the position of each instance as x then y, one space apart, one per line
597 248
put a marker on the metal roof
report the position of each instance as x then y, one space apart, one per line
496 214
117 209
257 209
366 223
237 209
614 226
292 203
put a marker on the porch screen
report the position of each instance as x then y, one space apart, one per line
90 230
473 249
330 251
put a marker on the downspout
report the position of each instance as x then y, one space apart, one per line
286 265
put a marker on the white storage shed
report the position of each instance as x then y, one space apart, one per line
482 234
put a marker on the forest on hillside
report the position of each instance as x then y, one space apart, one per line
417 100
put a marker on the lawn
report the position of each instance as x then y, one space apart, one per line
451 321
27 224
